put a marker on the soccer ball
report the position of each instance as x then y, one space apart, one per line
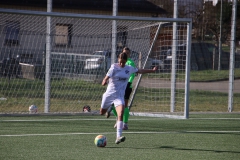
100 141
32 109
86 109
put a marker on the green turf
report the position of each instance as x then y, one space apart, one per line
202 136
198 76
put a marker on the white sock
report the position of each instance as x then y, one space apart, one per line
119 128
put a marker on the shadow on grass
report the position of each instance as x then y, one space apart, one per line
180 149
212 132
189 149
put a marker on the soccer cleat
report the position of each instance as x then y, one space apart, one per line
108 113
120 139
125 127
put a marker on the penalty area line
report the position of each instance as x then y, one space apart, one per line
110 119
46 120
105 133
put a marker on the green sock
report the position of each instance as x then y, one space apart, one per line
114 111
126 115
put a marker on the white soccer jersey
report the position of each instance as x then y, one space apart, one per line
117 84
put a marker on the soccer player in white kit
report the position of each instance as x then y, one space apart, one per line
117 78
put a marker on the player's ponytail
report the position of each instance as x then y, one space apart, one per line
123 55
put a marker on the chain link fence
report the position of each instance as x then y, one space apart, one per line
211 45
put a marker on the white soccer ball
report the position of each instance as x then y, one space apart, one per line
100 141
86 109
33 109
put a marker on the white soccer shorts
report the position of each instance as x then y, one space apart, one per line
108 100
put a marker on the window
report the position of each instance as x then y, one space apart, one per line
63 35
12 32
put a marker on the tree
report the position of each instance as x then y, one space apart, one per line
212 20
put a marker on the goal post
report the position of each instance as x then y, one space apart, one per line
173 107
80 55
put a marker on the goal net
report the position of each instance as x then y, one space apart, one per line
57 62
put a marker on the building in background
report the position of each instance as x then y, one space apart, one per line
64 31
142 8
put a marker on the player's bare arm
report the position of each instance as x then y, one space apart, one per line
105 80
141 71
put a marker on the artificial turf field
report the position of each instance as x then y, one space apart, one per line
41 137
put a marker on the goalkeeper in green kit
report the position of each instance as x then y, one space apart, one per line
128 92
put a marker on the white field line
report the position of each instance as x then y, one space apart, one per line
215 118
43 120
60 134
40 120
105 133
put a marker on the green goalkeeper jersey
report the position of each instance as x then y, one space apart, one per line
132 76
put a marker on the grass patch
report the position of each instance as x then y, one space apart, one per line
71 95
212 136
212 75
197 76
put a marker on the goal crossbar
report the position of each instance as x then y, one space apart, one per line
90 16
68 47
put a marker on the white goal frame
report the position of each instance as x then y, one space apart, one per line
156 20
